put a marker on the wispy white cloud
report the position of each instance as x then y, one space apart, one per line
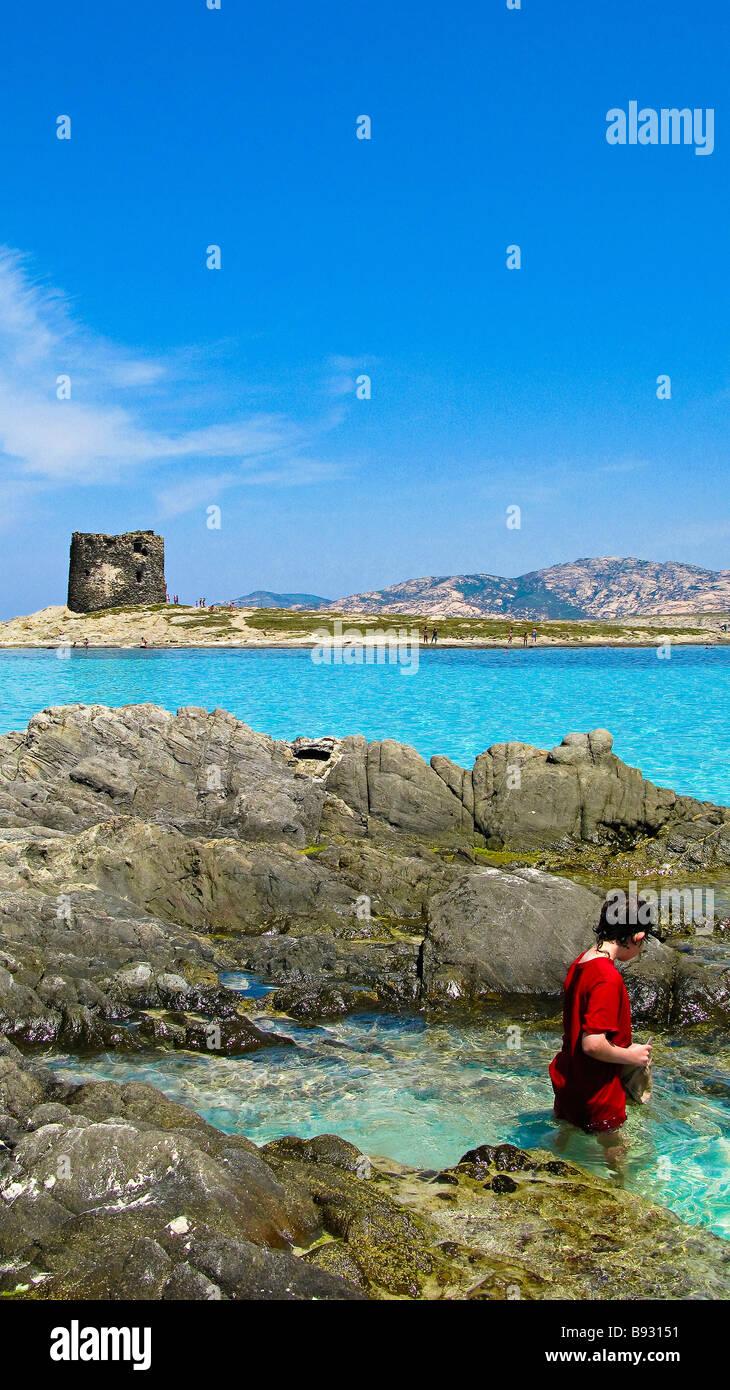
199 491
107 428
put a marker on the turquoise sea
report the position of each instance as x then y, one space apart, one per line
668 717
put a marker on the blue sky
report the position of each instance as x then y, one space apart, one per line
490 388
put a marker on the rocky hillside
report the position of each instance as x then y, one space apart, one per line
609 587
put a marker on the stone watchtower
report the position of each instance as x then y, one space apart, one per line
108 571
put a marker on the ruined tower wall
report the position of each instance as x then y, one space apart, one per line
108 571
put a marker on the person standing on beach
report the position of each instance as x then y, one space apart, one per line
425 634
509 639
534 636
434 636
524 638
586 1074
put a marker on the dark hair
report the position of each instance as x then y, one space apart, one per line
623 916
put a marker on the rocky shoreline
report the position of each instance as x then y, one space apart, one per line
144 853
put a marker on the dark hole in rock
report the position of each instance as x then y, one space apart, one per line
319 749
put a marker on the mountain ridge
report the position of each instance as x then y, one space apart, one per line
602 587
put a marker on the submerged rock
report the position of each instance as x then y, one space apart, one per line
234 1037
309 1003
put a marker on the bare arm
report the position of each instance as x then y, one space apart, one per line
597 1045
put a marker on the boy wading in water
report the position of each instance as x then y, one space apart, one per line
587 1072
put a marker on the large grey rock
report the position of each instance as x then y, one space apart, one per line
523 797
219 884
502 933
392 782
115 1165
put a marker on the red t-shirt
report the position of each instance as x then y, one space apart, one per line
590 1093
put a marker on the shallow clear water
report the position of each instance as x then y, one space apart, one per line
424 1093
667 716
